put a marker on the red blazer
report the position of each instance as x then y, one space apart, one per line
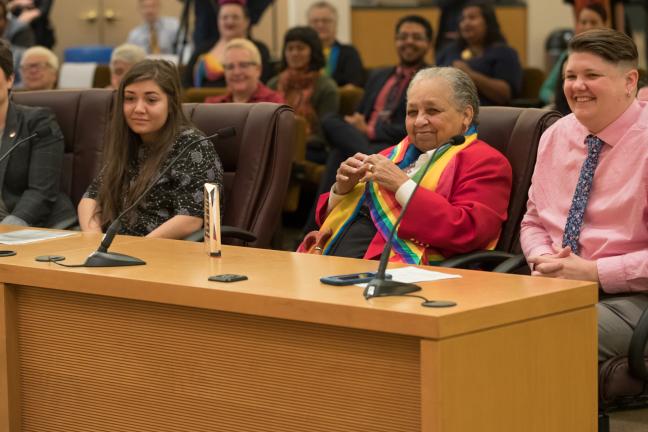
466 211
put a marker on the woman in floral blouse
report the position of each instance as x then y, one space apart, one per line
149 129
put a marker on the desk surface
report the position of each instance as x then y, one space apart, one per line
286 285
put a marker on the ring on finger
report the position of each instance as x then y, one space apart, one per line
371 168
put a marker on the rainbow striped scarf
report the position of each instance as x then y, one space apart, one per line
384 208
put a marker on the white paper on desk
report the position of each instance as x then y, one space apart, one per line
31 236
414 274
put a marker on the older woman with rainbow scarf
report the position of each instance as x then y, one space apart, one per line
463 198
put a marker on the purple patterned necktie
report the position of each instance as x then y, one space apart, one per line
581 194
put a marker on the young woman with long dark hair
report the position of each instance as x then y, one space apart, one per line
148 130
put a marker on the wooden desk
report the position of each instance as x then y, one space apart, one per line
159 348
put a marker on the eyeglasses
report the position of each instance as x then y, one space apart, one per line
326 21
241 65
34 66
416 37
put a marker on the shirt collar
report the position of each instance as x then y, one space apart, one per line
407 72
613 132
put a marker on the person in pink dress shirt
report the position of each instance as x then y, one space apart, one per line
587 214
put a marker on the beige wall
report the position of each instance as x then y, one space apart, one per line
544 16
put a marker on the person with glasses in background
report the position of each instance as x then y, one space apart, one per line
343 62
242 65
482 52
39 69
205 68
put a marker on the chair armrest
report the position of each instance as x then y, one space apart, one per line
487 257
226 231
511 264
636 360
237 233
526 103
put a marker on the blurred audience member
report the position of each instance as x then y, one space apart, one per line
343 62
482 52
242 65
205 68
18 33
206 16
31 177
448 23
379 121
39 69
590 17
157 34
312 94
35 13
614 9
123 58
642 86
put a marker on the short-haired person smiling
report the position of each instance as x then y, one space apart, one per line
587 214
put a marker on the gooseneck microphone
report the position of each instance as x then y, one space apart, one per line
41 132
379 286
101 257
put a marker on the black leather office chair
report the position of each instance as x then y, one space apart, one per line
515 132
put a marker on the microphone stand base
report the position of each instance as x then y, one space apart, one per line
111 259
385 287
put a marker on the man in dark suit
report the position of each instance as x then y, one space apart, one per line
379 121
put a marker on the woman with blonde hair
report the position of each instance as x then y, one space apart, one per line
242 65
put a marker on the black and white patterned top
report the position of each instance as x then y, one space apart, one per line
178 192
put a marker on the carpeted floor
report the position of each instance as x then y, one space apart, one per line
629 421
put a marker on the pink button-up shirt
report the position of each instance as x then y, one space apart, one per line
615 225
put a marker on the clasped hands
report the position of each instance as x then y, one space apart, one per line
361 167
564 264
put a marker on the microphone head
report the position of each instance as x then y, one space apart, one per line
226 132
43 131
457 140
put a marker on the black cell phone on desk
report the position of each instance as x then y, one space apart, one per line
227 278
350 279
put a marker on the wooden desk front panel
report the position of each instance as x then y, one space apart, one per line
91 362
537 375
